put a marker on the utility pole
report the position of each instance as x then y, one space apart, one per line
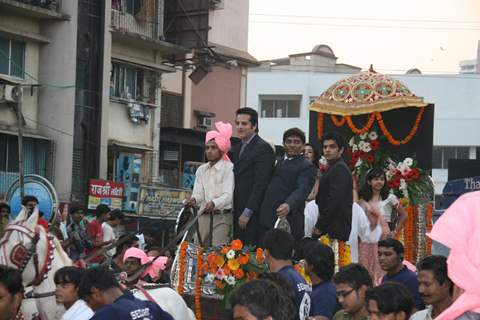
20 149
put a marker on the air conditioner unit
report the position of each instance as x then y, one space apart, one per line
12 93
205 122
217 4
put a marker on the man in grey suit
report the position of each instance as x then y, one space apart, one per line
292 182
253 162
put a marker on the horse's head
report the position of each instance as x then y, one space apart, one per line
27 246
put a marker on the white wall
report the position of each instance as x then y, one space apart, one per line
456 99
229 26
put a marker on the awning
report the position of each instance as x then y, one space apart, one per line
135 62
120 144
25 134
243 57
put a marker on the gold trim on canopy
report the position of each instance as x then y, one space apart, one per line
366 92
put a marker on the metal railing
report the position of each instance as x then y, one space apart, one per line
45 4
138 24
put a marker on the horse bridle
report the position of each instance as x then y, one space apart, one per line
20 256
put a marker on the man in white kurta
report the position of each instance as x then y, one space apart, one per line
361 228
213 189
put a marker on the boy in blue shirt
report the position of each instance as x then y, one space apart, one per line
101 291
320 266
279 246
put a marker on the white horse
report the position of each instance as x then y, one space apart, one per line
28 247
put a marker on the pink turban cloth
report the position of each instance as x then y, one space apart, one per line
154 269
458 228
222 137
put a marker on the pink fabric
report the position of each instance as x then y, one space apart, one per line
154 269
222 137
458 229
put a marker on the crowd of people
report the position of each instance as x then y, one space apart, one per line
285 205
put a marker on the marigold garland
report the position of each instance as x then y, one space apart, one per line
181 268
320 125
198 285
408 233
409 137
429 227
343 254
365 128
336 122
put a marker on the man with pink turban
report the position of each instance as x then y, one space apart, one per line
134 259
458 228
213 188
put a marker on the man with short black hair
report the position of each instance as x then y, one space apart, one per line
261 299
78 238
390 257
4 217
351 283
29 202
279 246
108 228
390 300
320 266
435 287
95 231
335 196
291 183
102 292
253 162
11 293
67 280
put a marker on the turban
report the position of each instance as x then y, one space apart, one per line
457 229
222 137
153 270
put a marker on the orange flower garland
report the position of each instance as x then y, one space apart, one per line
429 227
320 125
409 137
408 234
362 130
198 285
181 268
336 122
343 254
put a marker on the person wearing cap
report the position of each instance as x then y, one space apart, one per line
114 220
134 259
213 188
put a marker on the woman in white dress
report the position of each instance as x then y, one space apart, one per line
377 201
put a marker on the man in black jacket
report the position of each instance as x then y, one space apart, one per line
335 194
253 162
290 186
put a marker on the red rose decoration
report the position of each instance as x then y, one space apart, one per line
370 158
414 174
374 144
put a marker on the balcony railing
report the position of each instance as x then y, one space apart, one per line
45 4
139 25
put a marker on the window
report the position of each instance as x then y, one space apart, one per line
172 110
12 57
130 82
441 155
133 6
280 106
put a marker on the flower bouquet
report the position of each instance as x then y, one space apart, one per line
365 153
231 265
407 181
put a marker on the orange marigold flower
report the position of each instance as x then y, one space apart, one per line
220 261
259 255
225 250
226 270
212 259
243 259
236 245
233 264
251 275
219 284
239 274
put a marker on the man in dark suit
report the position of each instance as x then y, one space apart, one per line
290 186
253 162
335 195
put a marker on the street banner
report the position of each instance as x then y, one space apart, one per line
105 192
161 202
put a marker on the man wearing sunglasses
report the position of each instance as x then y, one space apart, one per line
351 283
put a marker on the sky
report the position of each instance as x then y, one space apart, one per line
394 36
